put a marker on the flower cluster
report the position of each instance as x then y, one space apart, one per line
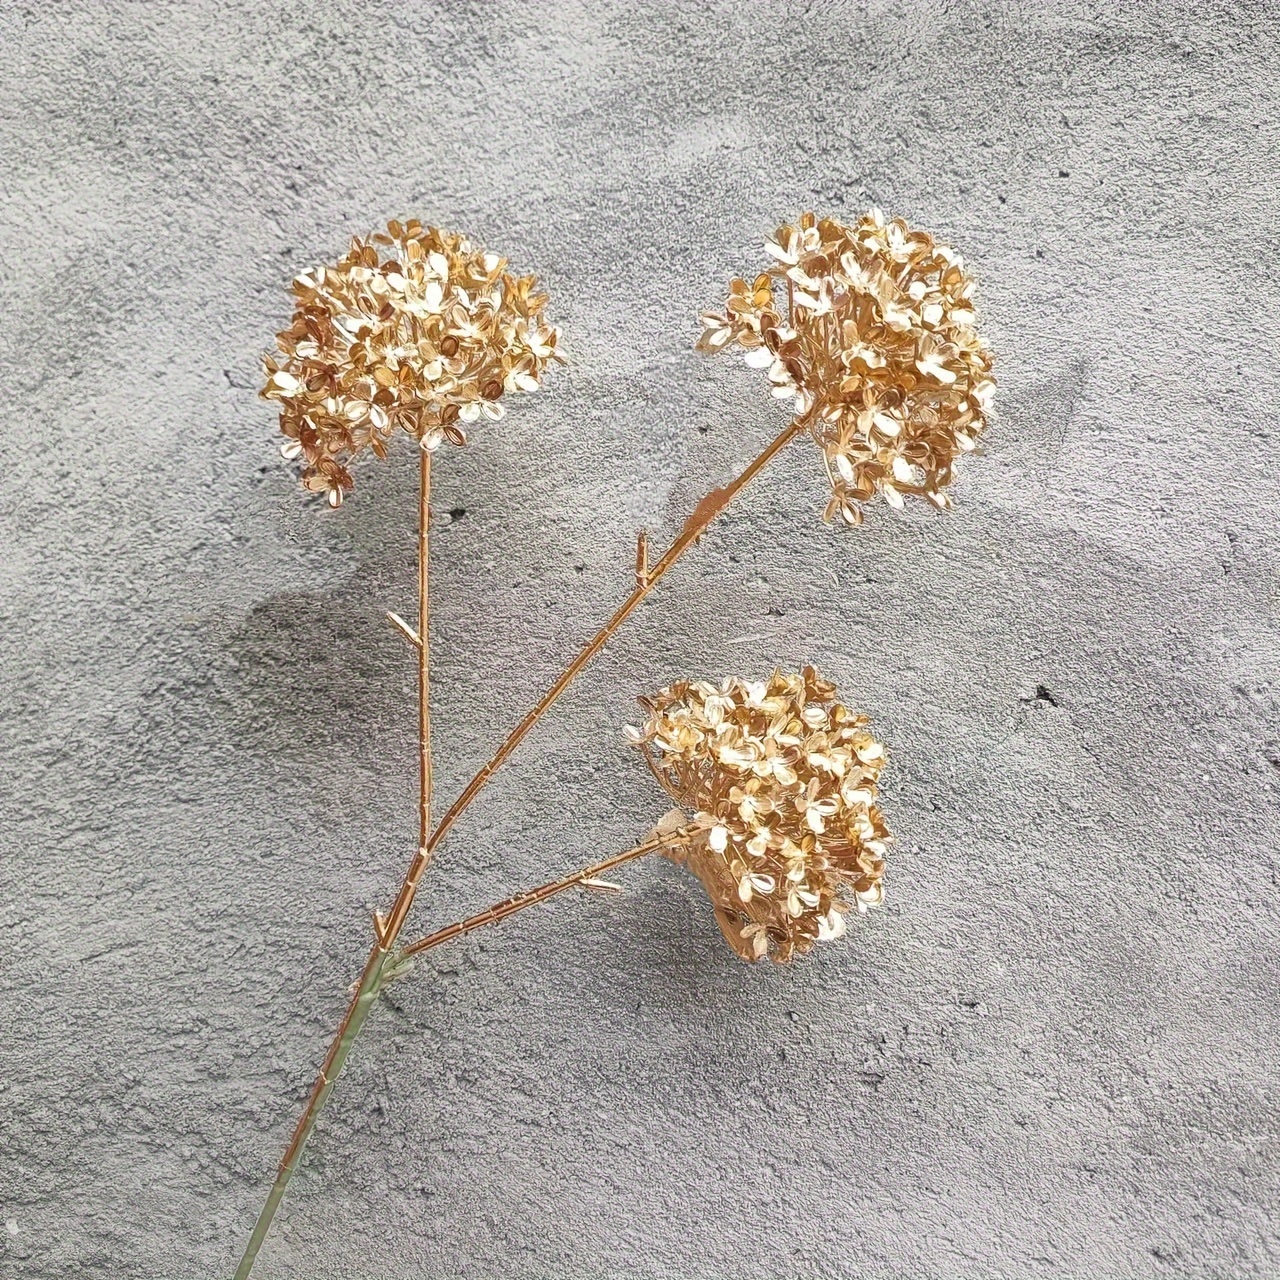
781 780
878 349
414 330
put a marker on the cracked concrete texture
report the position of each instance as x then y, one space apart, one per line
1053 1054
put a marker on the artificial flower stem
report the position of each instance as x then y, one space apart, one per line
531 897
385 930
694 527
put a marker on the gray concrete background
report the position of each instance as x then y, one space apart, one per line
1053 1054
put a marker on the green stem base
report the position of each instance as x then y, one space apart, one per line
370 985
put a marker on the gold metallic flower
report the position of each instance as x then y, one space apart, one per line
781 780
423 340
878 349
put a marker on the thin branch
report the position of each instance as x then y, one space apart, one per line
662 780
409 887
424 651
348 1030
695 526
600 886
531 897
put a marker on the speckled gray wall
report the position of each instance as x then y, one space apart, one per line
1053 1054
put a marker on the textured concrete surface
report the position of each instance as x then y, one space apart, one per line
1054 1054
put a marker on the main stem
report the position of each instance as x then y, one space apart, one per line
388 930
385 930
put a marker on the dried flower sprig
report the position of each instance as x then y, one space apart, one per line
415 329
878 349
782 780
861 351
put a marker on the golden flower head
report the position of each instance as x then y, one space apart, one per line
781 779
878 349
417 330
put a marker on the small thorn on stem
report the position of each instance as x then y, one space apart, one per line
642 558
404 629
380 927
600 886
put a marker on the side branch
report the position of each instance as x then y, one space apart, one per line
404 629
695 526
531 897
424 651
